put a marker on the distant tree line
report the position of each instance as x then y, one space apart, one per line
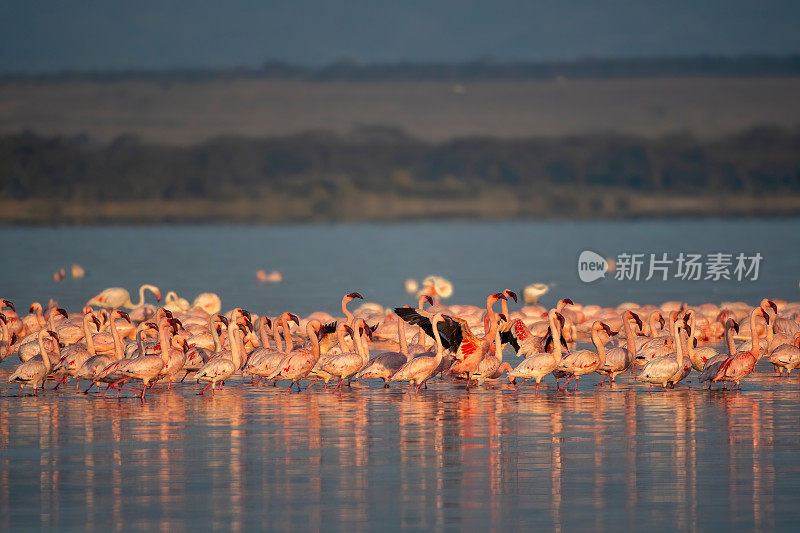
748 65
761 161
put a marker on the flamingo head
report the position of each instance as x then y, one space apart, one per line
353 295
561 318
3 318
567 301
731 323
637 319
97 322
14 339
771 304
661 320
607 329
245 313
765 315
123 314
349 331
151 325
223 319
502 317
167 312
498 296
268 322
176 324
32 309
427 298
511 294
6 303
62 312
53 334
294 318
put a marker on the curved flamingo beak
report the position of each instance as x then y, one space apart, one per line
349 330
151 325
62 312
14 338
568 301
734 325
637 319
96 322
32 309
429 299
246 314
511 293
125 315
561 319
607 329
766 316
158 295
355 295
499 296
223 319
773 306
3 318
53 334
167 312
268 321
503 317
294 318
8 304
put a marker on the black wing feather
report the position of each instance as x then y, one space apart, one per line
411 316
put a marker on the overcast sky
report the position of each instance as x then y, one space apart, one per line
55 35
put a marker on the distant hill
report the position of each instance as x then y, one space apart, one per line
377 173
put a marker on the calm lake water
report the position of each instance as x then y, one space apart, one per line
247 458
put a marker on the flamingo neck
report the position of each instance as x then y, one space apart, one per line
348 315
756 346
437 340
234 339
287 335
87 333
45 355
276 335
601 349
214 334
119 351
263 333
498 349
140 342
629 334
504 306
490 312
164 338
312 336
653 321
555 331
678 345
729 340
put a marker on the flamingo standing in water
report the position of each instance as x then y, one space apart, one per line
115 297
582 362
147 368
35 319
387 363
492 365
348 364
34 371
538 365
75 355
621 358
104 368
662 370
298 363
711 366
420 369
786 356
265 365
739 365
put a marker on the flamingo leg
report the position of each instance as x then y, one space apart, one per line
604 379
576 383
523 383
184 376
206 387
20 391
566 382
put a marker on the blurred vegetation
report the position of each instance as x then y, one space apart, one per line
378 172
746 65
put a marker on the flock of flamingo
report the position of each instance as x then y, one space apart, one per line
150 344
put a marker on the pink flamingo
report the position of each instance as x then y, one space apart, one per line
298 363
538 365
348 364
420 369
387 363
741 364
663 369
712 364
34 371
620 358
582 362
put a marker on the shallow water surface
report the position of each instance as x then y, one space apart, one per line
249 457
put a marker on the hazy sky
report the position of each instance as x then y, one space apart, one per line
54 35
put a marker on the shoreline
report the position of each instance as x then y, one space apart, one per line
372 207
